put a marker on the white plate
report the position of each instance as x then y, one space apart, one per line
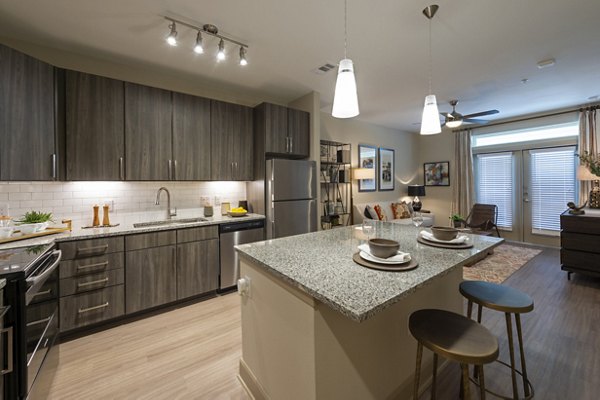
453 241
368 257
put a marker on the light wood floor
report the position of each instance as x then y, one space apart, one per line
193 352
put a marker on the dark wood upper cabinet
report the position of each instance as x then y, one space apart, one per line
95 127
148 133
191 138
282 131
232 141
28 144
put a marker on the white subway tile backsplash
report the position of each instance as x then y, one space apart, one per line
12 196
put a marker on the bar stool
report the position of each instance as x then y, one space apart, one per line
456 338
509 301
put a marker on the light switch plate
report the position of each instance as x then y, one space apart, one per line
217 200
4 209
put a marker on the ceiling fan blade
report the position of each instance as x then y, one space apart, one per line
476 121
481 114
445 114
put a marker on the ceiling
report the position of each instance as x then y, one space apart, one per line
482 49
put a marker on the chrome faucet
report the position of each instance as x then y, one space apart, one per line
170 213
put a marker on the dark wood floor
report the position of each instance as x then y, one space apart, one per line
562 335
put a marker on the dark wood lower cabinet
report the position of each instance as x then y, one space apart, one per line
88 308
197 268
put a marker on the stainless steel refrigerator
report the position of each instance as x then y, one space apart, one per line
289 197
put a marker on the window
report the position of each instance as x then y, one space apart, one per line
494 183
570 129
552 187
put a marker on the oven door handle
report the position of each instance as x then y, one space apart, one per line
37 281
9 351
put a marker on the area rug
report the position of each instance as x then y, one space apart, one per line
499 266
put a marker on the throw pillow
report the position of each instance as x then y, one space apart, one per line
370 213
400 210
380 213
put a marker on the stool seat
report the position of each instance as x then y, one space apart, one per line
497 297
453 336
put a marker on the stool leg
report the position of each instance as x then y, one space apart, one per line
512 354
433 379
479 312
469 309
523 366
465 382
418 371
481 382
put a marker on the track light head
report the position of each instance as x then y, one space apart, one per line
243 60
172 38
198 49
221 53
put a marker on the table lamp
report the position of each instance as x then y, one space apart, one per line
416 191
584 174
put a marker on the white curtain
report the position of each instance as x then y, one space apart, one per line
588 141
463 191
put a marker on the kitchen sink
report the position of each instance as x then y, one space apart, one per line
169 222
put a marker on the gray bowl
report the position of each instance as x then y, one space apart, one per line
383 248
444 232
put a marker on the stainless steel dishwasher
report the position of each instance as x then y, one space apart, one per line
231 235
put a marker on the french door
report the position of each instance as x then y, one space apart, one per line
531 188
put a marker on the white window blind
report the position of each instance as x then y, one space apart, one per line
494 185
552 187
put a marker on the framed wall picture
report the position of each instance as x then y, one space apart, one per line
437 173
386 169
367 158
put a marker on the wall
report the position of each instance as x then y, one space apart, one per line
438 199
133 201
357 132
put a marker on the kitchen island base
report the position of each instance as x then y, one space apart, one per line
296 347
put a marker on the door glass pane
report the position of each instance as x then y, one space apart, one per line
494 184
552 186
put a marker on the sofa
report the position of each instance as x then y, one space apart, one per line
386 206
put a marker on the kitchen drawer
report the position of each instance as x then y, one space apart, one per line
86 283
91 247
91 265
196 234
580 259
84 309
147 240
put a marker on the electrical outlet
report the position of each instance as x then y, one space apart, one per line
111 204
217 200
4 209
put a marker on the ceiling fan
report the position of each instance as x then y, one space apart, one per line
455 119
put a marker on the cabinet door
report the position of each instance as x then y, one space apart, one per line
197 268
299 132
148 113
191 138
150 278
27 121
232 141
274 121
95 133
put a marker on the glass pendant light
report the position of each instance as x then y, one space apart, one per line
345 98
430 122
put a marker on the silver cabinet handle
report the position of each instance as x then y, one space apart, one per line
43 292
96 282
291 144
54 166
39 321
95 249
98 307
121 169
9 352
170 163
174 170
82 267
287 144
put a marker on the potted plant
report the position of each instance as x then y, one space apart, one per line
457 220
591 161
34 221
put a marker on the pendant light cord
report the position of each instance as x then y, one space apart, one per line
345 28
430 58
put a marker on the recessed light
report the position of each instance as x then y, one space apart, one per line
524 81
546 63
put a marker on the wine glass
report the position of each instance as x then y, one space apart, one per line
368 227
417 220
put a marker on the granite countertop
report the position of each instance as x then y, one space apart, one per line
321 265
127 229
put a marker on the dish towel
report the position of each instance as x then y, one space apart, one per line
399 257
429 236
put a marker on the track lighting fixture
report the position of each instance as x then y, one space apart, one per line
198 49
209 30
172 38
221 52
243 60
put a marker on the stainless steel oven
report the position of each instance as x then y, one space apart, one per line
32 292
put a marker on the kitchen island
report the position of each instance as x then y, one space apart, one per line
316 325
